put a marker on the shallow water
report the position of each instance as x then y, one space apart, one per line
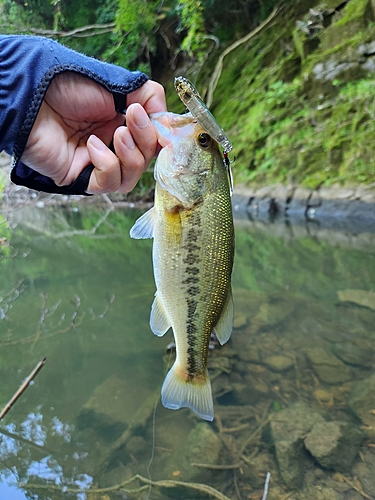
77 290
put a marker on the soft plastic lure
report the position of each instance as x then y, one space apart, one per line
194 103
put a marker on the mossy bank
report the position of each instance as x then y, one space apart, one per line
298 99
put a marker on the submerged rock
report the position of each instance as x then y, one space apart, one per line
311 492
240 321
352 354
324 396
365 473
334 445
278 363
362 400
327 367
360 297
201 446
286 431
250 391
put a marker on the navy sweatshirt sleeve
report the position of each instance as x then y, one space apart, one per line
27 66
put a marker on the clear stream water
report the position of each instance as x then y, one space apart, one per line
76 289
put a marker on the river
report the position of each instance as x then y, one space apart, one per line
77 290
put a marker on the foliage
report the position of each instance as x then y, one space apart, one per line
285 124
146 32
134 37
192 21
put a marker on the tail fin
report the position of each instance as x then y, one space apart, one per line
194 394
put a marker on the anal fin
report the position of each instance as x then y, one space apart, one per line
224 326
159 323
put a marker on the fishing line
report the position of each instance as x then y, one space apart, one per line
154 431
153 448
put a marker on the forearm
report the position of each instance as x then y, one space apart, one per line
27 66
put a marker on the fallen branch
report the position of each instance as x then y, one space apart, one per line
23 387
168 483
255 434
356 488
219 65
217 467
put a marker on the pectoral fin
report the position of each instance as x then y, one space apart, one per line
224 326
159 322
144 226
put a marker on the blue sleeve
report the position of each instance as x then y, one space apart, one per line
27 66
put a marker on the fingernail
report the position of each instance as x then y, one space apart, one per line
127 139
140 117
97 143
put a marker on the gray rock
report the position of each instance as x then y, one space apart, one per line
299 202
366 192
136 445
240 320
264 192
311 492
337 193
250 391
202 446
353 354
285 432
327 367
365 472
278 363
334 445
249 353
281 194
265 205
362 298
362 400
341 209
315 199
240 201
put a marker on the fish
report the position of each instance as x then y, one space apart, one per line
191 224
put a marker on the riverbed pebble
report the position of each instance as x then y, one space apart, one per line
327 367
334 445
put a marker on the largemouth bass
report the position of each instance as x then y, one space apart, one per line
192 226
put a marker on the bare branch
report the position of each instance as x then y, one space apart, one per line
204 488
83 31
23 387
219 65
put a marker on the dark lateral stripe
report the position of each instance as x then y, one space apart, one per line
192 280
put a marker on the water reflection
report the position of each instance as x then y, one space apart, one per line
77 290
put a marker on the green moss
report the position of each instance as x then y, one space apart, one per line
353 10
298 43
285 125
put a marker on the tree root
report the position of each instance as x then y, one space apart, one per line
219 65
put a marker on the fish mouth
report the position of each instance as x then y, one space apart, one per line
169 125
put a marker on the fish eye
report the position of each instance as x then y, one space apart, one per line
204 141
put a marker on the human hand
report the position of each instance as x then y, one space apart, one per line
77 122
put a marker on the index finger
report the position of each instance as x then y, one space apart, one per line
151 96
